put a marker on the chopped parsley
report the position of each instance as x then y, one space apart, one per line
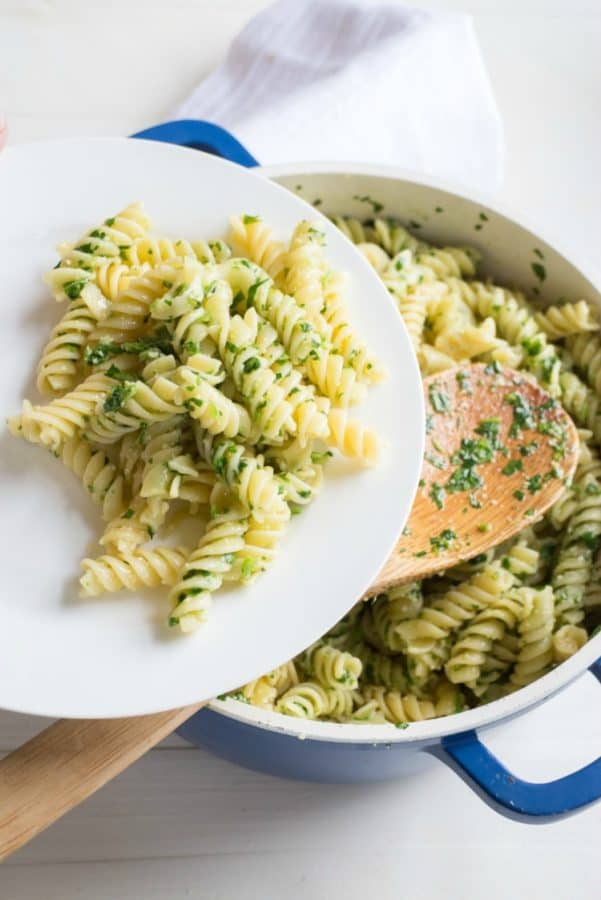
489 429
590 540
439 401
118 374
101 352
118 396
514 465
252 291
435 460
73 289
376 206
437 495
539 270
86 248
443 541
534 483
318 456
251 364
493 368
522 413
463 380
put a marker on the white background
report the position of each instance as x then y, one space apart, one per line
180 823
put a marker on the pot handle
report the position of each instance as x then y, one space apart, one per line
200 135
524 801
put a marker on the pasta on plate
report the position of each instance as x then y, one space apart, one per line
201 380
502 619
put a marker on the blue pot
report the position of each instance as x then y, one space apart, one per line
329 752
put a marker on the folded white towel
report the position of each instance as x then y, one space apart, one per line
359 81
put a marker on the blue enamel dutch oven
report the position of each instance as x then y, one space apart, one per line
330 752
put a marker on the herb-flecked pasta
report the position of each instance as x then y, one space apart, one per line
197 382
497 622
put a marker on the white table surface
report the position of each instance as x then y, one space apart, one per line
181 823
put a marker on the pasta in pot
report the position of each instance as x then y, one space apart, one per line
495 623
192 384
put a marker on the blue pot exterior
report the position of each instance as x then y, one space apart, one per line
288 756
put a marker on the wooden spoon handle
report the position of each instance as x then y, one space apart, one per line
67 762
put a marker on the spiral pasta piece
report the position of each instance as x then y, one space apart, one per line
302 275
180 477
518 326
130 310
134 402
382 616
309 410
574 563
387 671
581 402
331 667
64 417
58 366
259 692
113 278
253 484
310 700
214 412
353 229
344 339
560 321
475 642
68 282
536 644
306 347
100 477
145 568
204 570
567 641
586 352
449 262
468 342
300 485
397 708
264 691
447 614
109 240
352 438
375 256
253 239
126 532
296 331
261 542
271 413
284 677
152 251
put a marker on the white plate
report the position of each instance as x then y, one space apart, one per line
113 656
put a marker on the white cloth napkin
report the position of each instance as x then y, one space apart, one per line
359 81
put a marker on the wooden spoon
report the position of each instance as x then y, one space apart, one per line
529 449
498 453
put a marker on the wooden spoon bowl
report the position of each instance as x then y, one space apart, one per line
499 452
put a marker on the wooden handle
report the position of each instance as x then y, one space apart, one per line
67 762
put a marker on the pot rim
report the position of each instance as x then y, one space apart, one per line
495 712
